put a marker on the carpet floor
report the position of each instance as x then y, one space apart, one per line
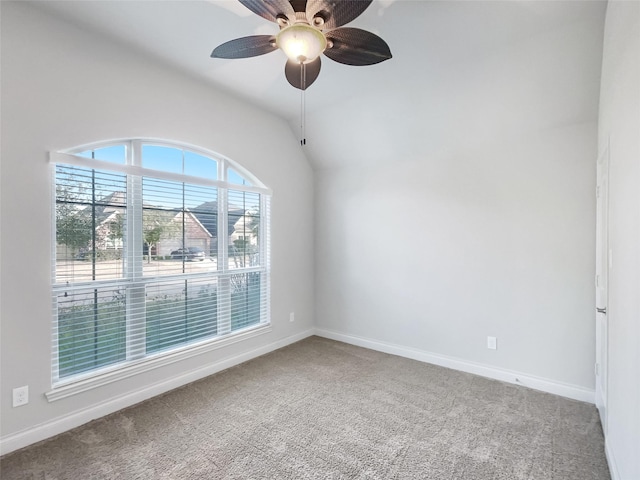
321 409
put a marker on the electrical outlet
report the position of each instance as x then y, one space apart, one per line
292 317
492 343
20 396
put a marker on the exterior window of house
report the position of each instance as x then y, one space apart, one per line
158 249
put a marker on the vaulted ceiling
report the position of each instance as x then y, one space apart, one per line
462 72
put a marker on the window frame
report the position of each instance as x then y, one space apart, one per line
136 362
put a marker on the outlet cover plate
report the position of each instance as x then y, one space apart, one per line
20 396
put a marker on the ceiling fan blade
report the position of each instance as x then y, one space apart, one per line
245 47
270 9
335 12
353 46
292 72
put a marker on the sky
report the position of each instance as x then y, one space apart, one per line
169 194
168 159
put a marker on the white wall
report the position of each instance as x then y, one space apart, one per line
486 230
619 126
437 255
62 87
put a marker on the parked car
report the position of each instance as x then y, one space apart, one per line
84 254
190 253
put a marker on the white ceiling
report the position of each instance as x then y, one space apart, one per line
455 64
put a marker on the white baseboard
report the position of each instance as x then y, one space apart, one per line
62 424
611 461
546 385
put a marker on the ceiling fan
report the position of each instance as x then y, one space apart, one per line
309 28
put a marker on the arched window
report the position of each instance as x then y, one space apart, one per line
159 248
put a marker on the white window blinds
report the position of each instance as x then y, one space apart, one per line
154 251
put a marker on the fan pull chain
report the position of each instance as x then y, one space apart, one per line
303 104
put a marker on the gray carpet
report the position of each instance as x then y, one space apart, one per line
321 409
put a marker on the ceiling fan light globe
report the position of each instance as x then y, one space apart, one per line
301 42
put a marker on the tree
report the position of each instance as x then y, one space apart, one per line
74 225
254 222
245 247
115 229
157 224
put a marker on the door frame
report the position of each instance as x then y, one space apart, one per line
603 263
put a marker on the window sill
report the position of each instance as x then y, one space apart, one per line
74 387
